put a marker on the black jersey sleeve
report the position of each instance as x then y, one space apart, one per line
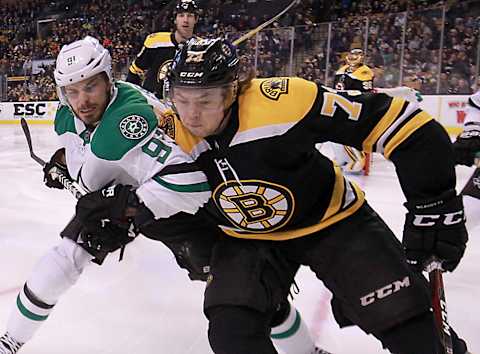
138 68
417 145
425 163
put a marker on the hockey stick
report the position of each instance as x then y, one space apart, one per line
70 185
439 304
253 32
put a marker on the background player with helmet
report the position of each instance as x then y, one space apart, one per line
265 176
109 135
151 65
354 75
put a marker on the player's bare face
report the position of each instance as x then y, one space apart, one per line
201 110
89 98
185 23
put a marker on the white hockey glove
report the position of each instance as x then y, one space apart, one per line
404 92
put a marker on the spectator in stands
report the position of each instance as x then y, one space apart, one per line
151 65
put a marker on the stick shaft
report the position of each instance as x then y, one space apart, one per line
439 305
254 31
70 185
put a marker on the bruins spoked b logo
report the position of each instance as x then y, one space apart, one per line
255 206
274 88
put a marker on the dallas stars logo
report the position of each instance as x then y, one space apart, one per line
134 127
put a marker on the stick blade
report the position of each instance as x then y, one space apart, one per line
28 136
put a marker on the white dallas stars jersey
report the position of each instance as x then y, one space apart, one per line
127 147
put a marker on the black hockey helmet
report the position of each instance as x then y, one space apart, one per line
205 63
186 6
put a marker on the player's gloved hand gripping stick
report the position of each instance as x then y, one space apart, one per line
108 236
58 175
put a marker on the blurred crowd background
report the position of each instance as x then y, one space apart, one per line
432 46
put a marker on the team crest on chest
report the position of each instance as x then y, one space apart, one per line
163 70
255 206
274 88
134 127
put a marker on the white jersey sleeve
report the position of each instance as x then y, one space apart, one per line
472 119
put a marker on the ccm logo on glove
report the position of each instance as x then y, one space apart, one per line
109 192
448 219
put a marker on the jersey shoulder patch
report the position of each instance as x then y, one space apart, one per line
278 100
64 121
124 125
158 40
173 127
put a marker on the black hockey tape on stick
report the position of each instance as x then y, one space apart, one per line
254 31
70 185
439 304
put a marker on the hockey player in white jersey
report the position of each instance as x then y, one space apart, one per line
467 152
108 132
109 135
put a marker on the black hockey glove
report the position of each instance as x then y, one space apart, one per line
466 147
435 227
53 167
108 217
107 238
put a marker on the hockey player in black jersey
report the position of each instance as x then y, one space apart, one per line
151 65
354 75
273 193
280 204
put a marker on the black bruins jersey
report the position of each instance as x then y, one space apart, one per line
360 79
152 62
269 182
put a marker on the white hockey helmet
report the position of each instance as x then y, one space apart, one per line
81 60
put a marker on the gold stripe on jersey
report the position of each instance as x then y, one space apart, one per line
383 124
134 69
356 194
189 143
258 110
408 129
158 40
363 73
265 115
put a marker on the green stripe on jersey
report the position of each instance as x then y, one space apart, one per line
291 331
184 188
27 313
